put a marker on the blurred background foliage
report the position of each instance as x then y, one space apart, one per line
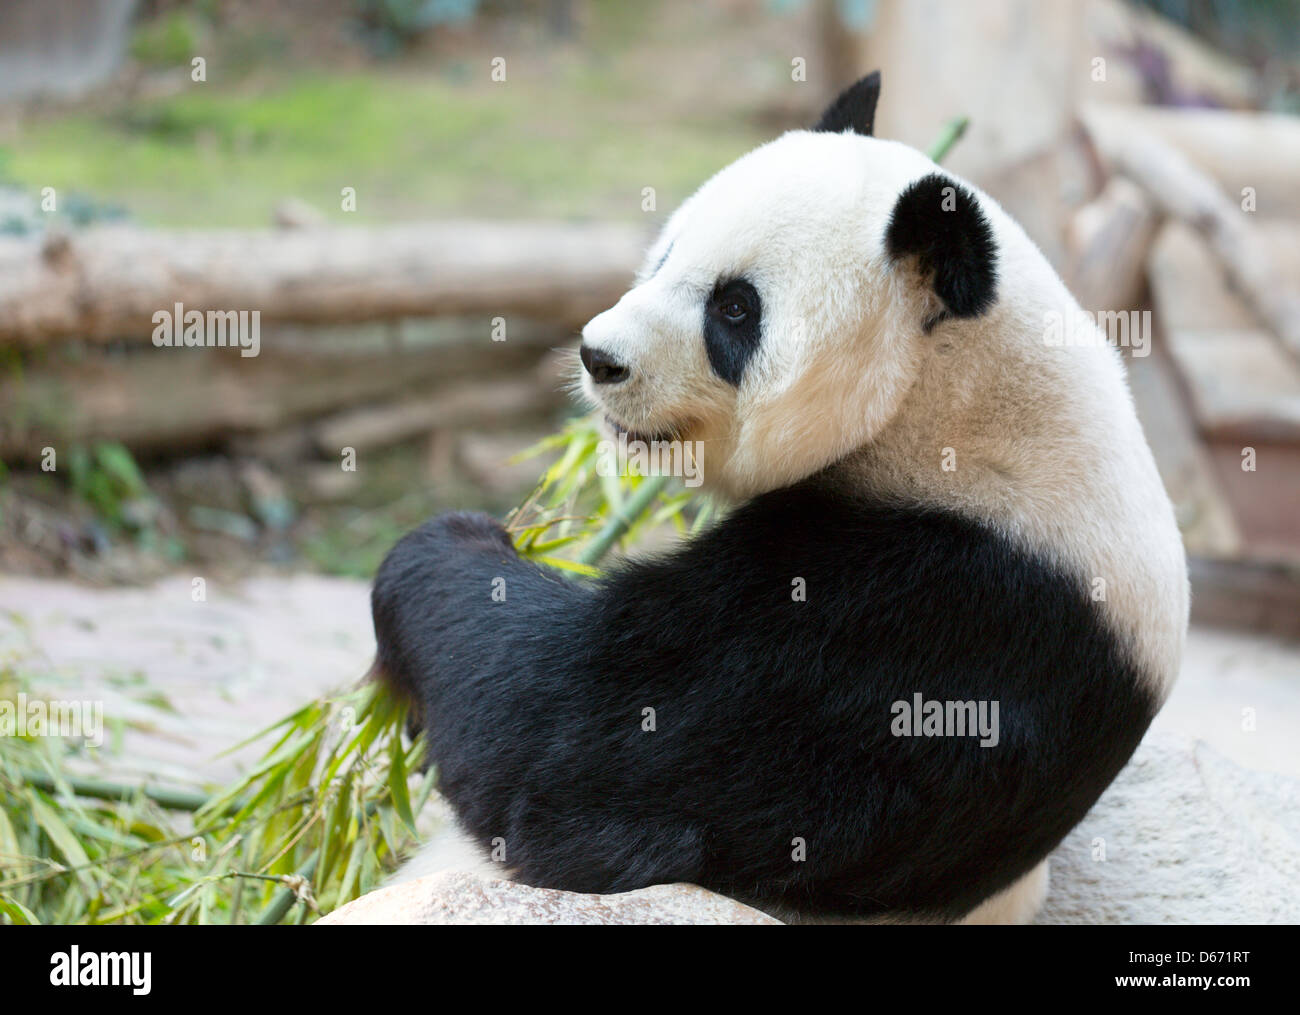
389 95
394 98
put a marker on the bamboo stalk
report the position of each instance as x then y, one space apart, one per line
284 901
949 136
616 527
104 789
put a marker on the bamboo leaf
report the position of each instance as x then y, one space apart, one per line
63 838
397 783
9 848
18 914
586 570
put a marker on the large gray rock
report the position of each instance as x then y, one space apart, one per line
462 897
1183 835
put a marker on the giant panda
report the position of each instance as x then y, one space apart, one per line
930 502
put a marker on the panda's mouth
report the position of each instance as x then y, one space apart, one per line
635 435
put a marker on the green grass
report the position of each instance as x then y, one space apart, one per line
166 41
413 145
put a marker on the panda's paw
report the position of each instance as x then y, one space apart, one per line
452 548
471 530
440 548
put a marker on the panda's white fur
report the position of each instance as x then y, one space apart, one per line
902 366
1047 443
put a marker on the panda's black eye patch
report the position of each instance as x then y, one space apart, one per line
731 327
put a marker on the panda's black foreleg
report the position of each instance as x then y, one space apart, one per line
488 648
578 730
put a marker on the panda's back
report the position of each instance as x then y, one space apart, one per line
817 714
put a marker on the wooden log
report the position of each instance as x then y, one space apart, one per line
109 281
1261 479
1107 242
1252 595
1243 390
381 426
1200 504
1152 58
1187 193
169 401
1237 149
1241 384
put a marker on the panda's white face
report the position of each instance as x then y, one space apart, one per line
769 321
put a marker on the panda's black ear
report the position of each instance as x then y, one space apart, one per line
940 222
854 108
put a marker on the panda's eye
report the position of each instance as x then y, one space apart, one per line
731 304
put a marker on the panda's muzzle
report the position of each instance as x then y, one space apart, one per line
602 367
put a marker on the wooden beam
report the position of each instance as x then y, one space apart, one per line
107 282
1184 191
169 401
1250 595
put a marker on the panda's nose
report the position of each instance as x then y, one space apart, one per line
604 369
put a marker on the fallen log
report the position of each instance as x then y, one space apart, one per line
1241 385
1107 242
174 400
372 427
1185 192
1243 390
1252 595
1238 149
1200 503
108 282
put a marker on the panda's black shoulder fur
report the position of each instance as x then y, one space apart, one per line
772 716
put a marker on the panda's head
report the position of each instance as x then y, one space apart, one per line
780 317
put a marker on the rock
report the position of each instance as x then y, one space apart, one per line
1183 836
328 482
1187 836
461 897
295 213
